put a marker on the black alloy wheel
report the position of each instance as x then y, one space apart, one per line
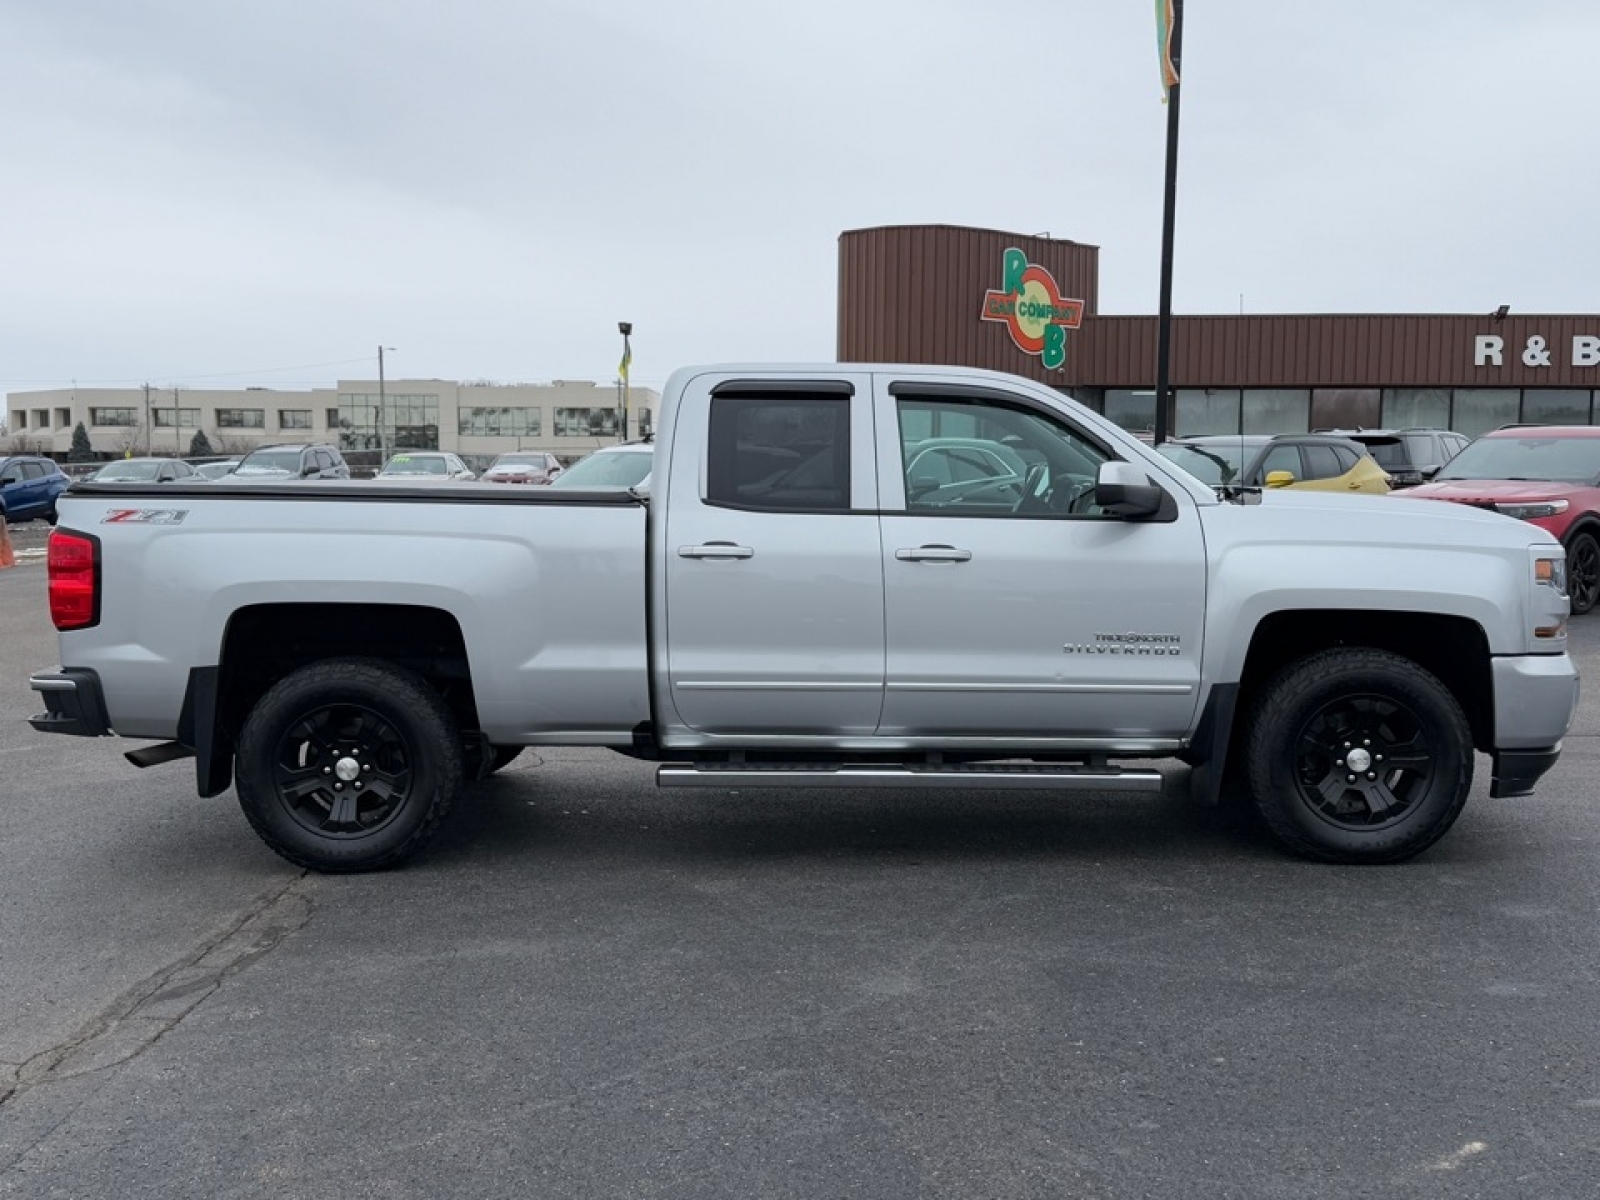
1358 755
348 765
1583 573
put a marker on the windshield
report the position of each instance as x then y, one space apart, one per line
126 472
1547 459
408 465
1217 465
607 470
270 462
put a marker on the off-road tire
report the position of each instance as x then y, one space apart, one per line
348 765
1320 719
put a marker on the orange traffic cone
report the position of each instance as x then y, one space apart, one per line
8 557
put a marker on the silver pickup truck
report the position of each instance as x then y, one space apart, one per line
871 576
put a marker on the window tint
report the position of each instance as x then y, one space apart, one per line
780 452
1279 458
1322 462
984 457
1347 457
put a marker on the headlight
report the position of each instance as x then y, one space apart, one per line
1528 512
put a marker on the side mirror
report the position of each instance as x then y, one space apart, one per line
1122 489
1278 479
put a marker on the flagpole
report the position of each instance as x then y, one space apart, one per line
1164 321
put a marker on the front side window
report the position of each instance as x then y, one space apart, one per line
780 452
986 457
1279 458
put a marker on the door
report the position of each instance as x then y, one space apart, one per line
1020 609
771 561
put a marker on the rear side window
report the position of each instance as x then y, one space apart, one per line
1322 463
33 470
789 451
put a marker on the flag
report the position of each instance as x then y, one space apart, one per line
1166 22
627 359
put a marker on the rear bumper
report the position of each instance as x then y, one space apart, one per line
74 703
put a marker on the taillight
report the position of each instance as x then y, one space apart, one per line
74 564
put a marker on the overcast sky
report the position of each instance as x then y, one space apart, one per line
225 194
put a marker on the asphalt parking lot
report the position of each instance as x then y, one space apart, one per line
591 988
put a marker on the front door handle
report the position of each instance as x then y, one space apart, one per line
715 550
933 554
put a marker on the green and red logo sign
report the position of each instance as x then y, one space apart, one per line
1032 307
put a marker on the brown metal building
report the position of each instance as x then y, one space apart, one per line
928 293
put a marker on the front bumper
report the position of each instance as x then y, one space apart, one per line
1535 699
1516 771
74 703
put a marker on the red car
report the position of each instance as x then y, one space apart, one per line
523 466
1547 475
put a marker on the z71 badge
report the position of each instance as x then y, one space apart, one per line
145 516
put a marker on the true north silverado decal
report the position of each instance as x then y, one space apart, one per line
1128 643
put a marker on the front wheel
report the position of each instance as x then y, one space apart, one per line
1358 756
1583 572
348 765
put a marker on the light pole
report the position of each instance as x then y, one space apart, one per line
383 450
625 328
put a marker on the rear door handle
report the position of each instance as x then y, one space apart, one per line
715 550
933 554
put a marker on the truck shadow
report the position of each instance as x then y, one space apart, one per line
563 815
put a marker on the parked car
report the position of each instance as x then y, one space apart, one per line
1547 475
29 485
1412 455
1319 462
216 469
625 465
942 469
143 470
425 466
523 466
268 463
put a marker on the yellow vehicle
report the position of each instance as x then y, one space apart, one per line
1312 461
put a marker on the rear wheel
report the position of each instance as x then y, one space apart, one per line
348 765
1358 756
1583 572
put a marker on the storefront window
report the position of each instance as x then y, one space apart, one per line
1277 410
1133 411
1478 410
1555 406
1418 408
1206 410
